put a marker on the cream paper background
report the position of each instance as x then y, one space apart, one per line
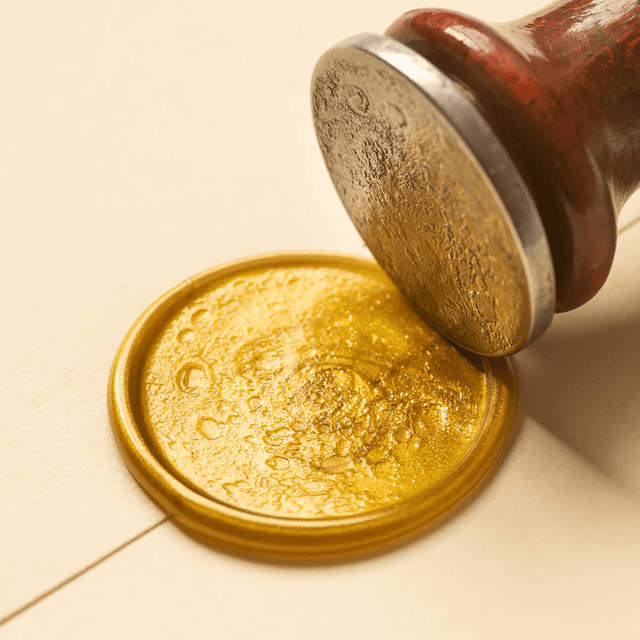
144 141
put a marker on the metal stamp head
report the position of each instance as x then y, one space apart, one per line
434 194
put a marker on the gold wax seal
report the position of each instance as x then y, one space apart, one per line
295 405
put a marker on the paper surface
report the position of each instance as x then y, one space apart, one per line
144 142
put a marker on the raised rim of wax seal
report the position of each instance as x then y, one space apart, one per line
229 526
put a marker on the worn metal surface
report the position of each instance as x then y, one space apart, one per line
434 195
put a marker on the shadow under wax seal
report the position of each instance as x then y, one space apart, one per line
294 405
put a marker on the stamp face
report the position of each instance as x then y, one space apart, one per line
302 391
434 218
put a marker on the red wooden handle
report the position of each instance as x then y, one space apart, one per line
561 89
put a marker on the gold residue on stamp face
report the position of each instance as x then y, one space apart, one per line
308 390
421 202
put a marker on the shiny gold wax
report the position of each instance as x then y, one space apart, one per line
306 389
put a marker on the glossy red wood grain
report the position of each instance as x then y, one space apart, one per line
561 88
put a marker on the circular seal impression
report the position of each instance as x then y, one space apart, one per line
295 405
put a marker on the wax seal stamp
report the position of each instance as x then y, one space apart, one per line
295 405
485 165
